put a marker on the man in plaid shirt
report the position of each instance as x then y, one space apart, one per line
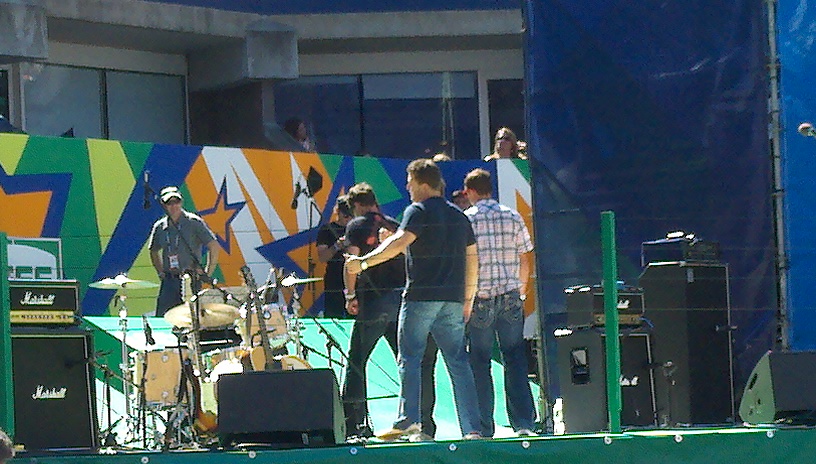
504 248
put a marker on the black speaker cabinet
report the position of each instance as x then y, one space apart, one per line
289 408
54 398
782 387
582 376
689 307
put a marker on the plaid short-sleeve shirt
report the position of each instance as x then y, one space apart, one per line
501 237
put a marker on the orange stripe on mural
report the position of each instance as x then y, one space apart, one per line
230 265
275 175
23 213
199 183
257 218
526 212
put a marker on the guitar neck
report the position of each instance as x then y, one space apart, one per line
256 303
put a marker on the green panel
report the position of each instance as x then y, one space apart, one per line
136 154
372 170
112 185
332 164
524 168
79 233
6 371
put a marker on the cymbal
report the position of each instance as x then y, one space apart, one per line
290 280
212 315
121 281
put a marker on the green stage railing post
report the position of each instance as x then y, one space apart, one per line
6 379
610 289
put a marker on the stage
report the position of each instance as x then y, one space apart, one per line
689 446
686 445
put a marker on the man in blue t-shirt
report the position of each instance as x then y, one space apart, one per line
442 275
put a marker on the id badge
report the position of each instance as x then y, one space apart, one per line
174 262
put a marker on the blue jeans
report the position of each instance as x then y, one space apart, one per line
501 317
443 320
169 294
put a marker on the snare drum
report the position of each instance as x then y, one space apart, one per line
162 377
276 327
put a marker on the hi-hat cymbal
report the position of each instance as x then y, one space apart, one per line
290 280
121 281
212 315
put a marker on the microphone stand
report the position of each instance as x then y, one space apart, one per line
310 254
331 342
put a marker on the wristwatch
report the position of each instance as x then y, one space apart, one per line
349 295
364 265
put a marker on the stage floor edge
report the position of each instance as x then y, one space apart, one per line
766 445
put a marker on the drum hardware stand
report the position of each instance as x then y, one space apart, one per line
177 433
109 436
127 379
191 370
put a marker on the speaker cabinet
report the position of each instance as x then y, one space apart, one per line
54 398
582 376
689 307
782 387
289 408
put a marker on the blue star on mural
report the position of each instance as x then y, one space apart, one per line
220 216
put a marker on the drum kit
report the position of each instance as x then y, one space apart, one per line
222 330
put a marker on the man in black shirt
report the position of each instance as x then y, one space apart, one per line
331 243
443 267
375 297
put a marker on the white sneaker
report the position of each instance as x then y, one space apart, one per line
397 433
525 433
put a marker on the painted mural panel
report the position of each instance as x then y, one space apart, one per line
99 198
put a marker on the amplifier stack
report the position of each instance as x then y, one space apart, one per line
675 341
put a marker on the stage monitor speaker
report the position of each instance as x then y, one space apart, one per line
582 377
782 387
54 397
688 305
288 408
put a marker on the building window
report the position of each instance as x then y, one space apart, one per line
59 99
4 94
392 115
506 106
97 103
330 106
145 107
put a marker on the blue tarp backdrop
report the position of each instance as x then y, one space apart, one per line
658 112
797 49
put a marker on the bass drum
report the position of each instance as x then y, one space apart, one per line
162 377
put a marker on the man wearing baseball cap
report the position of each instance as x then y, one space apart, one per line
176 246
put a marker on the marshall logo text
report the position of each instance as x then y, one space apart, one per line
55 393
30 299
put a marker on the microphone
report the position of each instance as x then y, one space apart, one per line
331 341
807 130
148 332
298 191
147 190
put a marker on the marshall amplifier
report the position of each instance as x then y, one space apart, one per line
585 305
44 302
54 397
679 249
